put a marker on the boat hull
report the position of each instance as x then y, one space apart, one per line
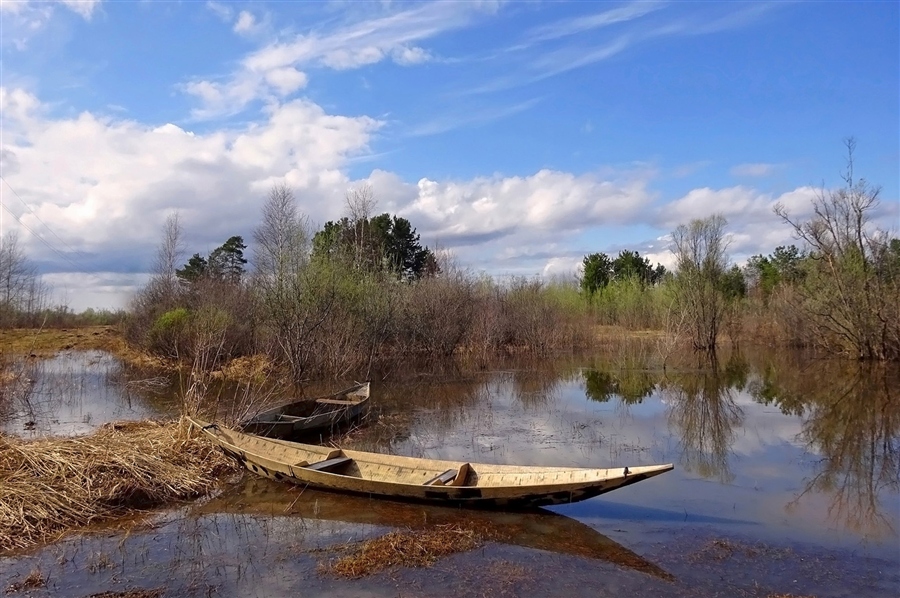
406 478
303 417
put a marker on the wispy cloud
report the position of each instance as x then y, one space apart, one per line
574 43
576 25
83 7
481 117
22 19
759 169
394 36
223 11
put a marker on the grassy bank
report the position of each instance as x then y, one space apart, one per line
52 486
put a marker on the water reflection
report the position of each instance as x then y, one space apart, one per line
538 529
773 431
70 393
703 410
852 428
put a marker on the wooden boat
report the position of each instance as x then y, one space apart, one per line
309 415
471 484
536 529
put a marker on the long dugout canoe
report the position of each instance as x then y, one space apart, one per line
411 478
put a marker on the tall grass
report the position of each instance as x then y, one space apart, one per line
633 305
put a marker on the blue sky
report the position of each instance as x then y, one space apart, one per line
518 136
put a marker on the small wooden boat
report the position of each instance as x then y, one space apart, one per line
309 415
471 484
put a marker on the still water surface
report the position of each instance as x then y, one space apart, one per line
787 481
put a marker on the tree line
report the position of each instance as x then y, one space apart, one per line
358 292
363 289
839 292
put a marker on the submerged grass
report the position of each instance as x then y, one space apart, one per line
419 548
51 486
32 581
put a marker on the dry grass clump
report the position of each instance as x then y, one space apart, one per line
51 486
409 548
250 368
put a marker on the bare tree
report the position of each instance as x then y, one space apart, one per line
170 250
283 238
701 260
361 204
289 288
851 292
21 290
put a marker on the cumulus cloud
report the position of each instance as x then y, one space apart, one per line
23 19
109 203
546 201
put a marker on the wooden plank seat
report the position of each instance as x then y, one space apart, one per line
451 477
336 402
442 478
328 464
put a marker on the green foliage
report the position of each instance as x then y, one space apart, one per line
597 272
193 270
175 319
733 285
226 262
630 264
630 304
615 286
699 249
382 243
168 334
765 273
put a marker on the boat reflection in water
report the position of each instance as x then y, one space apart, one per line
537 529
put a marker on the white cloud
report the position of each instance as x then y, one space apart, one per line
246 23
346 47
83 290
406 55
85 8
465 118
758 169
23 19
108 203
581 24
224 12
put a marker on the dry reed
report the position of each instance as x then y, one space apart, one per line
404 548
54 485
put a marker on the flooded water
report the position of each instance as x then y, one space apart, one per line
786 481
75 392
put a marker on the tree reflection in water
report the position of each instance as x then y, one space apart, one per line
703 412
852 424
